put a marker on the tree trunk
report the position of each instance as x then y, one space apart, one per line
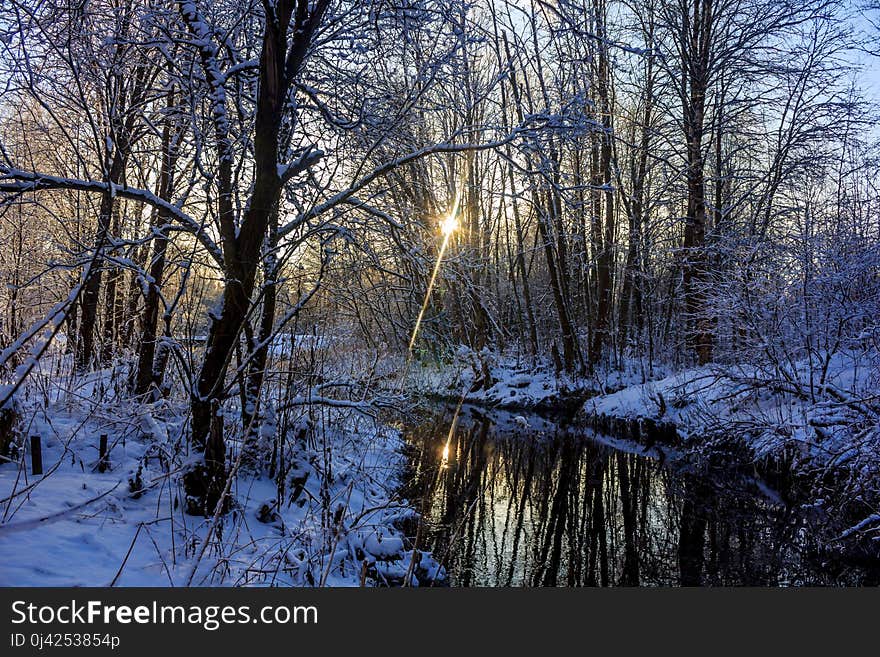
242 244
92 289
260 350
112 294
571 351
145 376
630 310
697 50
605 191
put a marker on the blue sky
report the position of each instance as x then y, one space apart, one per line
870 75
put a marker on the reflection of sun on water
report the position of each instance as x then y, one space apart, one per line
444 460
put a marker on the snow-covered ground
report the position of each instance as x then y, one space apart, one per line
76 526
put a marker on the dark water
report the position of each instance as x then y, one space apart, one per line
543 505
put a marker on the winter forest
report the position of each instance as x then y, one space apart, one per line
423 293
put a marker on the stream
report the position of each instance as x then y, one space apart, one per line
514 500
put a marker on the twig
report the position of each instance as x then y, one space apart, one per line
37 522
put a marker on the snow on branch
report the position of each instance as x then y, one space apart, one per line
16 181
309 158
209 54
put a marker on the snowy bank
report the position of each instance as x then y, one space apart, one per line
492 381
824 426
332 521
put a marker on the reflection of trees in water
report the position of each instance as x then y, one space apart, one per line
563 510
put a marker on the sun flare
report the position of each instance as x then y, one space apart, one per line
449 225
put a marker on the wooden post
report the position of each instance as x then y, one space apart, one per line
103 459
36 456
